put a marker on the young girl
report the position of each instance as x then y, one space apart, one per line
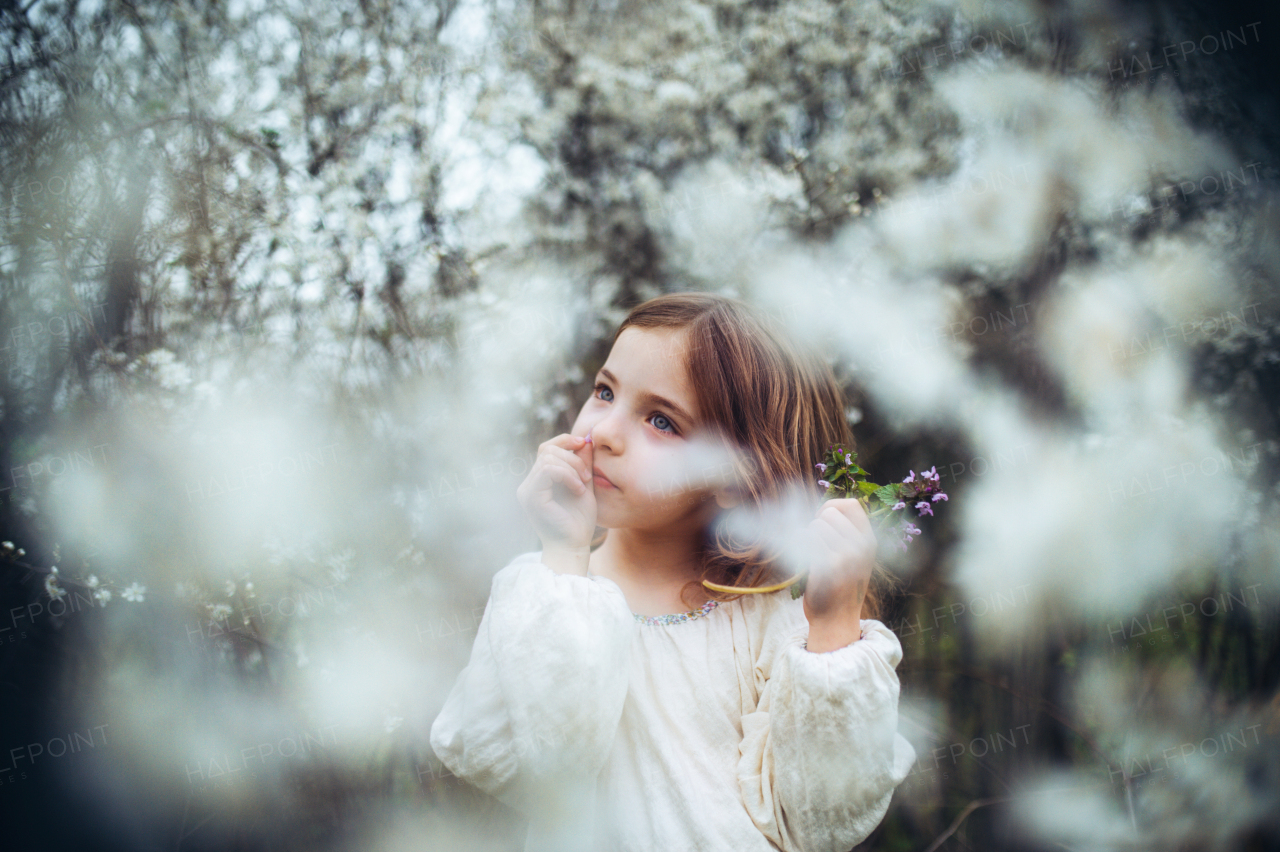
613 699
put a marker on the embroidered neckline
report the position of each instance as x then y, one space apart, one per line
674 617
677 617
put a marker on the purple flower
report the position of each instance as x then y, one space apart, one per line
899 505
848 459
822 468
923 508
824 483
941 496
910 477
931 473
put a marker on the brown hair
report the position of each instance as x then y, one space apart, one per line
777 406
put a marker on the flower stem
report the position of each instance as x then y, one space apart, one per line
755 590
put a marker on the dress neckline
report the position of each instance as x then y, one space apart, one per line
672 617
677 617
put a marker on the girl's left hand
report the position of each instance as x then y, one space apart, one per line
844 551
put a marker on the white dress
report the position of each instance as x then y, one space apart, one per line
711 730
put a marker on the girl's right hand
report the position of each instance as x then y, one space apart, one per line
559 495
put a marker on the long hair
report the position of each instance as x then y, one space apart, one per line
777 406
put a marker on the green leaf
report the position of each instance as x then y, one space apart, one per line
868 487
888 494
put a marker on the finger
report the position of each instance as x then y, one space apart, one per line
850 511
843 533
564 441
570 458
856 512
827 536
824 547
565 475
850 507
586 452
839 521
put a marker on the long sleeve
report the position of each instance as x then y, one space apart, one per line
820 755
532 717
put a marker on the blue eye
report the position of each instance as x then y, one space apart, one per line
660 421
664 419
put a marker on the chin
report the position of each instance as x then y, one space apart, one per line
615 520
606 518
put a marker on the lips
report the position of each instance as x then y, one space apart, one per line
601 479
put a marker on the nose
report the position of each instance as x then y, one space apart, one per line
606 433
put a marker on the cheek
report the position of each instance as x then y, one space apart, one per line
585 420
661 474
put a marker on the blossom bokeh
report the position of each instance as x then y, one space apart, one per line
293 291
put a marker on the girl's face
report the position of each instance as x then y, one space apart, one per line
646 433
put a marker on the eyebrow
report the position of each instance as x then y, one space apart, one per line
654 399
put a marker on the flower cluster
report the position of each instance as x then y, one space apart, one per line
843 478
919 492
